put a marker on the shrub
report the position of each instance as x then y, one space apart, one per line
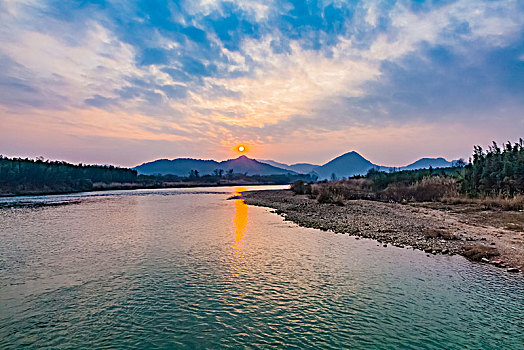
323 195
307 188
298 187
397 192
434 188
329 192
428 189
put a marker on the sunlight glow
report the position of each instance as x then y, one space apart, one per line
241 148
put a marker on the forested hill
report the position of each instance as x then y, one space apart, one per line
34 177
28 176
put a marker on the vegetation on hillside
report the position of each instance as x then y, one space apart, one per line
496 172
27 176
418 185
229 178
495 178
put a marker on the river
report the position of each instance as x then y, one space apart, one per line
187 268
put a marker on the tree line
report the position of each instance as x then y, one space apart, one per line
19 175
220 176
496 171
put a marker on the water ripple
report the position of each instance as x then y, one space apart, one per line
193 270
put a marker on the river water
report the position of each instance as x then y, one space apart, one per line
187 268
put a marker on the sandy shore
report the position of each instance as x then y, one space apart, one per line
486 236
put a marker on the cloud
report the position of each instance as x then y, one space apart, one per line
262 71
100 101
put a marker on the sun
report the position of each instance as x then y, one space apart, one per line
241 148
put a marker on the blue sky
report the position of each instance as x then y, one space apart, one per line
128 81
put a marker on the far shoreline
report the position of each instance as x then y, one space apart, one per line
131 188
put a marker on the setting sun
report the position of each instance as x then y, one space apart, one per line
241 148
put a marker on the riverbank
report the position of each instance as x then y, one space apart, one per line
493 237
126 186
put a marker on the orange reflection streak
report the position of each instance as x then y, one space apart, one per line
240 218
239 224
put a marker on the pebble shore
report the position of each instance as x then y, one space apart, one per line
433 231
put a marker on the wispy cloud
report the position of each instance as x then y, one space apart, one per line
262 72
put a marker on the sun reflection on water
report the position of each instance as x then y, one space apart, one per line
239 224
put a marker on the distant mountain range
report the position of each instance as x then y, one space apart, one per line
183 166
301 168
352 163
346 165
425 163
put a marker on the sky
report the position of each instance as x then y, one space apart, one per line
124 82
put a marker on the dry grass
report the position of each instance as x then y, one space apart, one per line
434 188
345 189
397 192
437 189
338 191
332 193
427 190
509 204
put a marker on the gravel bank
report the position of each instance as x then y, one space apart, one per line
431 230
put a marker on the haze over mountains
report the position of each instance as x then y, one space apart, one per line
346 165
301 168
424 163
183 166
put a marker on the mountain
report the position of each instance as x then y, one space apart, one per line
179 166
250 166
182 167
301 168
346 165
352 163
424 163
